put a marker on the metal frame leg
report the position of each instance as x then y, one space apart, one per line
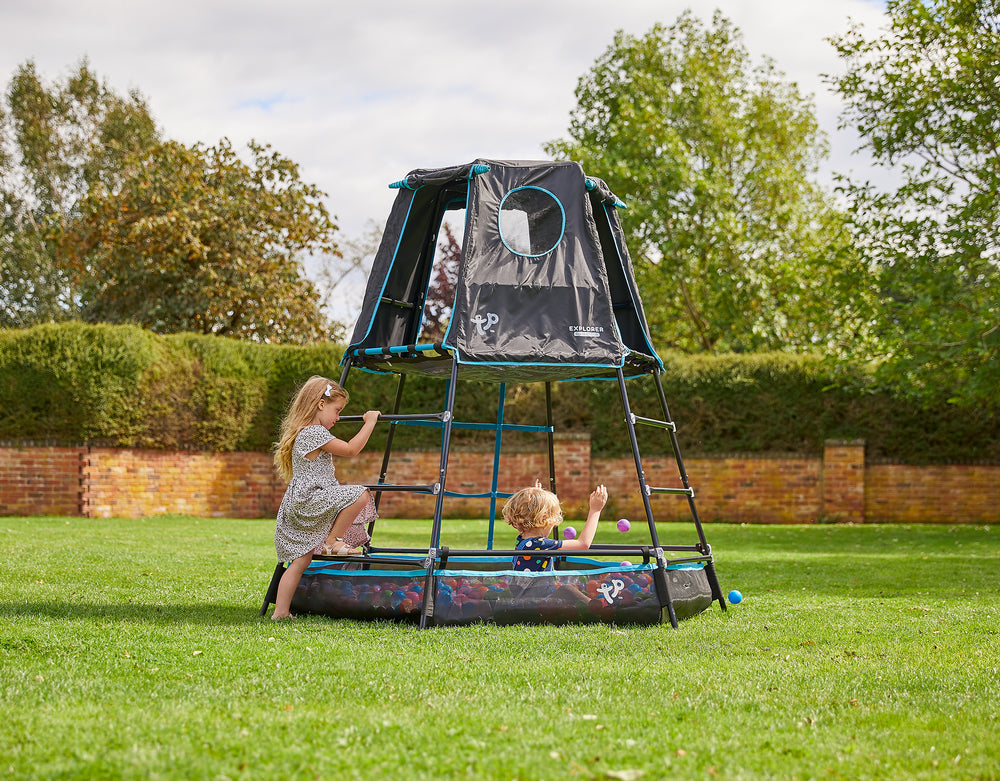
427 606
495 483
551 437
272 589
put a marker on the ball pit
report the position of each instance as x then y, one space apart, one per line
476 590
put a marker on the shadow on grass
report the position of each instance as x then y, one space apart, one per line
200 614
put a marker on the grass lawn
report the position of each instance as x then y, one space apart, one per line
134 649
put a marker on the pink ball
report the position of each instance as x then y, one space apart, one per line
624 525
569 532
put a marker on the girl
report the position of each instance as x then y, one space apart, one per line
317 515
534 512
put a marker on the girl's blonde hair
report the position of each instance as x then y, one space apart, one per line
531 508
301 413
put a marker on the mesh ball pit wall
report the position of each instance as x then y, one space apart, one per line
484 589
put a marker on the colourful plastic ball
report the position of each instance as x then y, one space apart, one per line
569 532
624 525
735 597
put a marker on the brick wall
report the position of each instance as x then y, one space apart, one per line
40 480
898 493
844 481
125 483
839 485
743 489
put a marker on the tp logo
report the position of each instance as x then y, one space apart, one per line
610 591
484 324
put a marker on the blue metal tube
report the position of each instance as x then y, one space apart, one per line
403 348
496 463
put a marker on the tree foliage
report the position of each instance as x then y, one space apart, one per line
104 220
195 239
56 142
924 95
734 243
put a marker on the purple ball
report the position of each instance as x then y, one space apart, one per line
624 525
569 532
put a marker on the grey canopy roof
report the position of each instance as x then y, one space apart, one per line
545 287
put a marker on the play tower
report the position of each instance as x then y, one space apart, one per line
545 293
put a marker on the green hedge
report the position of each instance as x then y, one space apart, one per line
776 402
123 386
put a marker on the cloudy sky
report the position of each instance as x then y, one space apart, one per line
358 93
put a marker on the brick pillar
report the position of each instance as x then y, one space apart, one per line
844 480
572 454
84 495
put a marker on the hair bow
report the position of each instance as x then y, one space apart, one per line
329 388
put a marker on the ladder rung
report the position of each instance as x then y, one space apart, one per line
667 424
436 416
398 302
477 426
423 489
681 491
487 495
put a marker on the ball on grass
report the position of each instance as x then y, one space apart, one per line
735 597
569 532
624 525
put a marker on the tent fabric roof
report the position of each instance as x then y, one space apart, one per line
545 286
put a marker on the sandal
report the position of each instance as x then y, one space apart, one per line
340 548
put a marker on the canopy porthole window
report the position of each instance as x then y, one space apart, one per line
531 221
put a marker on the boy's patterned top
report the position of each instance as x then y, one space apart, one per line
535 563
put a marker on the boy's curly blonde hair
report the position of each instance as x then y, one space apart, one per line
532 508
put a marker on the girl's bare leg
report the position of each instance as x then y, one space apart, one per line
286 586
346 517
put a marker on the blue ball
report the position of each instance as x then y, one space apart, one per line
735 597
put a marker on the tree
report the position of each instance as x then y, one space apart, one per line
734 243
341 277
195 239
441 291
56 142
924 95
105 221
